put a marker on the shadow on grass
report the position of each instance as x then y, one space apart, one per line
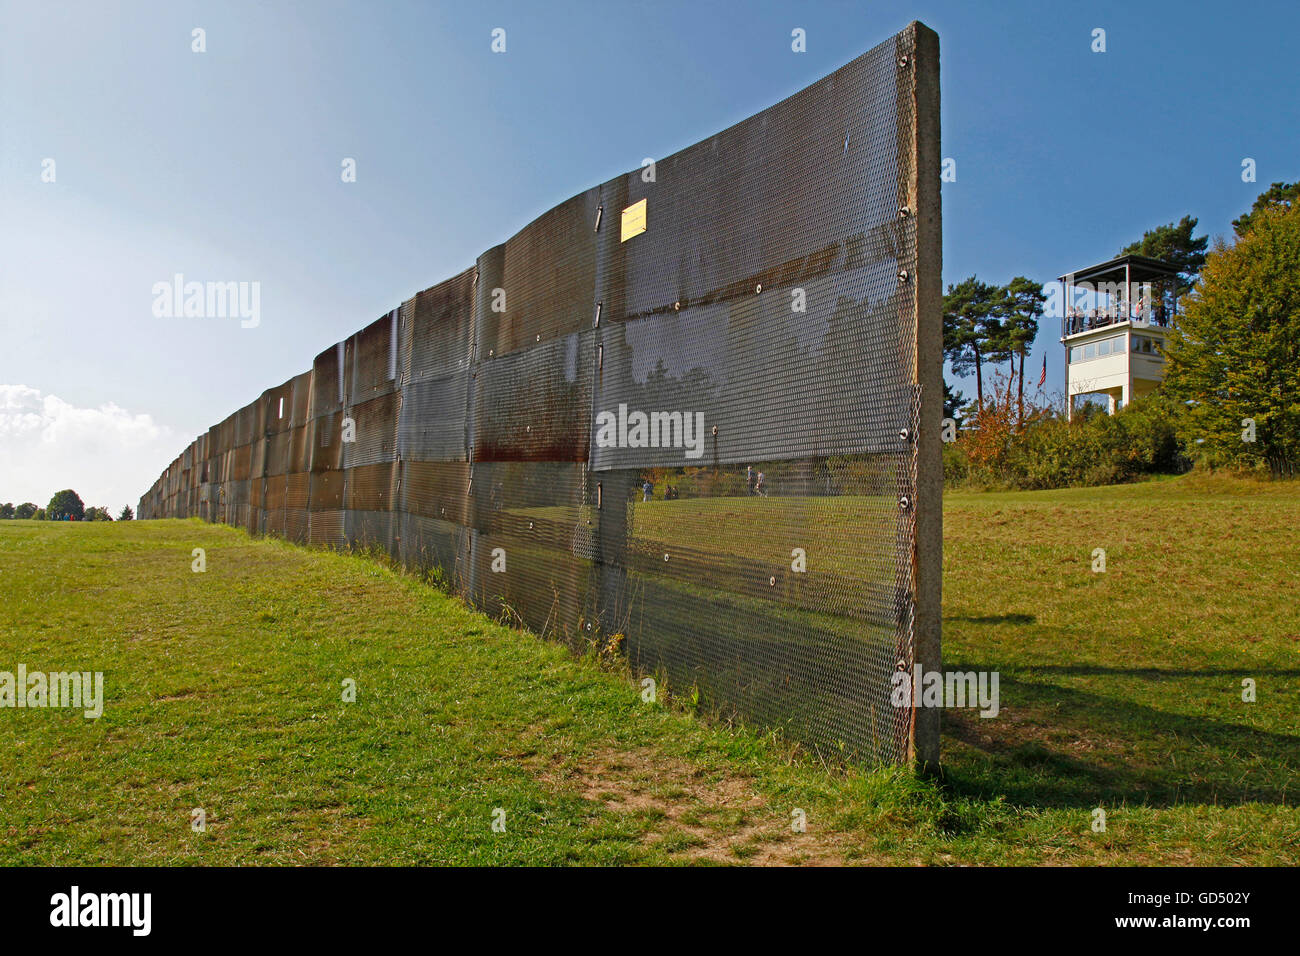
1055 746
1156 673
995 619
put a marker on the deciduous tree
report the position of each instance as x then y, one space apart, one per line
1277 196
65 504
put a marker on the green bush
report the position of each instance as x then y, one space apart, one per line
956 464
1094 449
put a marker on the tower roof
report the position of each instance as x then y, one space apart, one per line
1141 269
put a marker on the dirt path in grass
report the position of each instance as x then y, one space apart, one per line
693 814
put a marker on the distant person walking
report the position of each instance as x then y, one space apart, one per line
749 477
761 485
648 490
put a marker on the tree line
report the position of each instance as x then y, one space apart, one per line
66 505
1230 395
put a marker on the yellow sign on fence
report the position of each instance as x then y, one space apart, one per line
633 220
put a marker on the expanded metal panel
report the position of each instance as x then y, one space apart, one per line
300 407
246 424
296 491
374 428
300 448
534 404
275 522
296 522
435 545
433 419
276 456
241 462
439 333
526 518
436 490
775 384
679 413
325 451
370 531
327 381
374 359
540 282
326 528
257 459
326 491
370 487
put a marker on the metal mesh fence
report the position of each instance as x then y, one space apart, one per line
689 428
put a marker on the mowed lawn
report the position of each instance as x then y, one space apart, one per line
1120 690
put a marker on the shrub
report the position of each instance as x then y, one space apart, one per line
1049 452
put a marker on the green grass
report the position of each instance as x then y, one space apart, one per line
1119 690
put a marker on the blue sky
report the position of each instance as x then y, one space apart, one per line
225 165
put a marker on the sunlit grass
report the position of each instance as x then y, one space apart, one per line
1120 690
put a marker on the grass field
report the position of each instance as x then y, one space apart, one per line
1119 690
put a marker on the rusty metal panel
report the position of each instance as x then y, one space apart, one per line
326 491
542 281
276 409
328 384
276 493
241 460
275 457
326 529
300 447
370 487
326 448
534 404
257 458
246 424
435 490
432 420
297 489
375 431
439 330
300 410
373 353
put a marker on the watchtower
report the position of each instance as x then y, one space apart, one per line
1116 319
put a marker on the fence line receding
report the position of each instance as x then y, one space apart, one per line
694 414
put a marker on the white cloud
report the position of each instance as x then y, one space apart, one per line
107 455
